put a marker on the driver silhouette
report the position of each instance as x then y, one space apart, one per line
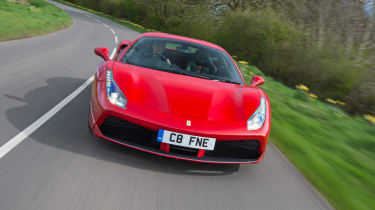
158 47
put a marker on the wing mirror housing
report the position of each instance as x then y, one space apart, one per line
102 52
257 80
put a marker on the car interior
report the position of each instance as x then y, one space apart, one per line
184 56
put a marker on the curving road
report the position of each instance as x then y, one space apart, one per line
62 166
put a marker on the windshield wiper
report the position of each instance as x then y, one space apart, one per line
177 71
193 75
229 81
205 77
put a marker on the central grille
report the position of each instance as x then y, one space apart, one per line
183 150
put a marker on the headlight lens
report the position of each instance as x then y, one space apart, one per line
114 94
256 121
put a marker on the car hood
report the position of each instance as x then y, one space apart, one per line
186 96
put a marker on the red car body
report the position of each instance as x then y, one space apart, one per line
163 100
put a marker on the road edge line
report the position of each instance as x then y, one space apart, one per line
8 146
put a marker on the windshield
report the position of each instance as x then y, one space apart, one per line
182 57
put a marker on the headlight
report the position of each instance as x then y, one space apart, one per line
256 121
114 94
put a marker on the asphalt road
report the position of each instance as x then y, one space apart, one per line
63 166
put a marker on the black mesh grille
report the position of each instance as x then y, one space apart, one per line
244 149
125 131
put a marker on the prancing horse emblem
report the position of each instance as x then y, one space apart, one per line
188 122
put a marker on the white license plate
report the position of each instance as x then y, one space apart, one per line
186 140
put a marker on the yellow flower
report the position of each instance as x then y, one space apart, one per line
234 56
331 101
243 62
302 87
341 103
252 73
312 95
370 118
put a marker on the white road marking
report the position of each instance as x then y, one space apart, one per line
113 31
113 53
4 149
105 25
7 147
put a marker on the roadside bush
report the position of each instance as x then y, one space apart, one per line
38 3
329 73
196 27
278 48
131 11
252 35
362 96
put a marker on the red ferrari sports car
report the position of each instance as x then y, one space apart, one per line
179 97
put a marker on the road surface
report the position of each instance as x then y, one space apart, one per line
62 166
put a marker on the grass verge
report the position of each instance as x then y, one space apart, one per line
333 150
35 17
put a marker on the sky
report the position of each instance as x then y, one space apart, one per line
369 7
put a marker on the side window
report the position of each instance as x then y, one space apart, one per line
170 45
177 47
192 50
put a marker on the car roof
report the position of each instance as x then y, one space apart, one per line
171 36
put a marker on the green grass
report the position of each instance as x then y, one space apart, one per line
336 152
126 23
20 20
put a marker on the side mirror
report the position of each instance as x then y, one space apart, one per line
257 80
102 52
